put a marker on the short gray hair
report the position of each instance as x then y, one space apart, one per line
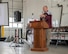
45 6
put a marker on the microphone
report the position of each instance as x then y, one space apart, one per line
43 18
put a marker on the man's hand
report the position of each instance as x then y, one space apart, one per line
42 16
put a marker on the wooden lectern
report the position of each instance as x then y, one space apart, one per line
39 35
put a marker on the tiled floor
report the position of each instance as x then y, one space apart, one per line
6 49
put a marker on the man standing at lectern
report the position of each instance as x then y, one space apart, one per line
47 16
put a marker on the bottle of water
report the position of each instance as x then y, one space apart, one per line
32 16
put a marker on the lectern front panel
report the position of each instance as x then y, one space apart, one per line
39 35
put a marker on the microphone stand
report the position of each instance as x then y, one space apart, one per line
58 33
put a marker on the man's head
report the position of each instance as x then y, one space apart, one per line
45 8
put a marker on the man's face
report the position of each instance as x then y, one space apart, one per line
45 9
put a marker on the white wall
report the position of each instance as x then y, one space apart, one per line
65 14
11 32
35 6
17 5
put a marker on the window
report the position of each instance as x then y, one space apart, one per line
14 24
10 25
19 25
10 20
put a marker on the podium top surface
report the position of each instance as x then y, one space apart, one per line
38 24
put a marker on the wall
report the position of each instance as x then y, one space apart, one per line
32 6
11 32
35 6
17 6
